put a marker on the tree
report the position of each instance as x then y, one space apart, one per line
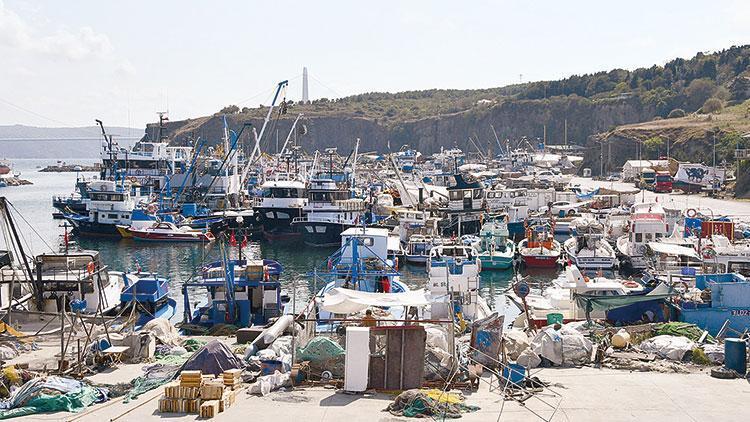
698 92
678 112
653 144
230 109
712 105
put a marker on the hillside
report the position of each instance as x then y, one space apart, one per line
431 119
690 138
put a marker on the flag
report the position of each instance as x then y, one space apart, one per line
244 241
232 240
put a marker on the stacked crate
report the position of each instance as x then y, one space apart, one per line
232 378
201 394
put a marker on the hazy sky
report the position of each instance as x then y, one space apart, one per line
65 63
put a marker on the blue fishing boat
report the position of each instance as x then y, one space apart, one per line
729 303
240 291
362 263
150 294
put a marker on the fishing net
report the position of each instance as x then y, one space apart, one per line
682 329
51 394
320 348
429 403
155 376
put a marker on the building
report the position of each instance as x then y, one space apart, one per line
632 168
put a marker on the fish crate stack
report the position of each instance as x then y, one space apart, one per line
201 394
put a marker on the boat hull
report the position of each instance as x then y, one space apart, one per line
496 262
171 237
540 261
321 233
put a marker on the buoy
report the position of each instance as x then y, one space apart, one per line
691 212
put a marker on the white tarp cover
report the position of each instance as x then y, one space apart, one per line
671 249
668 347
346 301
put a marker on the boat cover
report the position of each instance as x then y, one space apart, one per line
672 249
214 358
346 301
605 303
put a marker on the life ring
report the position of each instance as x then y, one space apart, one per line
630 284
691 213
90 267
586 279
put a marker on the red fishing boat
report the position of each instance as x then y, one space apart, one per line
540 249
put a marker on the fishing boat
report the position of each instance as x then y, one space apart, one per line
282 201
723 308
149 294
540 249
168 232
560 298
76 202
418 248
110 205
588 249
647 224
454 284
362 263
77 281
330 210
496 250
6 168
243 292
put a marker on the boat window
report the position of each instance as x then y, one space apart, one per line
477 194
639 237
467 194
490 195
455 195
368 241
112 216
648 237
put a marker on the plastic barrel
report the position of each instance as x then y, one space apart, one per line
514 373
554 318
268 367
735 355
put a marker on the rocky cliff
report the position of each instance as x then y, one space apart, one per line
511 119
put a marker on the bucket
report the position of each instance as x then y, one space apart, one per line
735 355
268 367
554 318
514 373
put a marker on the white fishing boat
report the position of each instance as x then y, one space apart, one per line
588 249
454 283
647 224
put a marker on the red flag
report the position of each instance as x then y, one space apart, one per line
244 241
232 240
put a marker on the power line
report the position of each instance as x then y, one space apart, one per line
16 106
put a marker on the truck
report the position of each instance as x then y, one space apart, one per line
663 182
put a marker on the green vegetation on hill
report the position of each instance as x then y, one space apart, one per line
706 80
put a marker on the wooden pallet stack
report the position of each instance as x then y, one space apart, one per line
232 378
201 394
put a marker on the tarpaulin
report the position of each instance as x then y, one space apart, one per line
672 249
605 303
214 358
346 301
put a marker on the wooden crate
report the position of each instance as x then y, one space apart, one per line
172 391
167 405
191 406
209 409
212 391
227 399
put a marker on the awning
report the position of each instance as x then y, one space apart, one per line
346 301
672 249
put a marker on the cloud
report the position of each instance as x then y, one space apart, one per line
78 44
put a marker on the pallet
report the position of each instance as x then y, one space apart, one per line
212 391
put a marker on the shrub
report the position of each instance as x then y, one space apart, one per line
712 105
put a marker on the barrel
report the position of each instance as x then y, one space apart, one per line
514 373
735 355
268 367
554 318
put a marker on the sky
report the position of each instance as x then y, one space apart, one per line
66 63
